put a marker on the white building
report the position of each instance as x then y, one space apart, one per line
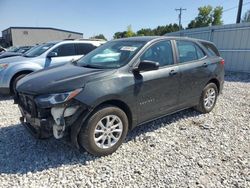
27 36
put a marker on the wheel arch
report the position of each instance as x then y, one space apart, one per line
16 75
216 82
120 104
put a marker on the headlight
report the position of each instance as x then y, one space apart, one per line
46 101
3 66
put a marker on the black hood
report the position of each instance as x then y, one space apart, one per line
59 79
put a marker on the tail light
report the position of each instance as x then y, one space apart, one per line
222 62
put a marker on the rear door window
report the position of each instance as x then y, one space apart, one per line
189 51
83 49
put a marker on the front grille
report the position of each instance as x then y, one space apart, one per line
27 103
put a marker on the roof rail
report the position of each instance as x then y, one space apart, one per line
93 39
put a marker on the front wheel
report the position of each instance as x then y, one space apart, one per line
104 131
208 98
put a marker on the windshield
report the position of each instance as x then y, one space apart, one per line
12 49
38 50
114 54
24 49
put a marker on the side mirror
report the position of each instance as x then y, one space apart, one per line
148 66
52 54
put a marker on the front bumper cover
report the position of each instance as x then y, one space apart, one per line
43 127
39 128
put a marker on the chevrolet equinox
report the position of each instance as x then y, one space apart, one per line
126 82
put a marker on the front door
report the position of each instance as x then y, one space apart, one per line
157 91
65 53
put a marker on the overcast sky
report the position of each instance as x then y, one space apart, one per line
92 17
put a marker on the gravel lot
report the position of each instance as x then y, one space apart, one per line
186 149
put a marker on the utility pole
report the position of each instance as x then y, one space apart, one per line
239 11
180 15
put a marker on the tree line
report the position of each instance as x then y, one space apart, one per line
207 16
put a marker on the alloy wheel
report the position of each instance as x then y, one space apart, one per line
108 131
209 98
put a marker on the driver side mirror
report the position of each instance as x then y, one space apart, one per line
52 54
148 66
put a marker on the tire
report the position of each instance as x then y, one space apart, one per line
201 107
100 117
14 83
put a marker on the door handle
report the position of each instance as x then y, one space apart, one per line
205 65
173 72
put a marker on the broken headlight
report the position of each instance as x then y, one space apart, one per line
46 101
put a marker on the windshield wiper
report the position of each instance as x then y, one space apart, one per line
24 55
74 62
91 66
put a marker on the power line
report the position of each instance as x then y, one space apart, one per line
232 8
180 15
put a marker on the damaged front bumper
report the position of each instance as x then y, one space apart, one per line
57 121
39 128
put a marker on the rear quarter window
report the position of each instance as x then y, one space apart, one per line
84 48
212 50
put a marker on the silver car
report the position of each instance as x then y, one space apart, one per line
42 56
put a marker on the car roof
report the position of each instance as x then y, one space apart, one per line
95 42
155 38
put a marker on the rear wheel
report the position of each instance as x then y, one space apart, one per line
14 83
104 131
208 98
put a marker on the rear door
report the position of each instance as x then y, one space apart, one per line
157 91
194 72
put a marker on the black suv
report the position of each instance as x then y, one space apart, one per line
99 98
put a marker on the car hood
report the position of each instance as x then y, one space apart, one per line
59 79
14 59
9 54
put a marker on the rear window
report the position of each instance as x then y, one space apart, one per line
212 50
